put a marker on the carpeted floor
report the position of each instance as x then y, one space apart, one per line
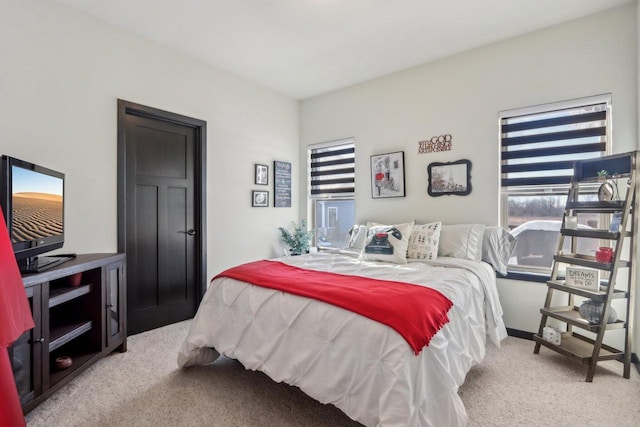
144 387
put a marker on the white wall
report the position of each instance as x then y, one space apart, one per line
61 73
462 96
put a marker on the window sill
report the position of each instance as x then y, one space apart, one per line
526 276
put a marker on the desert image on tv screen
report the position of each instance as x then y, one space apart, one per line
37 205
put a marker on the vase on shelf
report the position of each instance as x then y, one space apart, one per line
592 311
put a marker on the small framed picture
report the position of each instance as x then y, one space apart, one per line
387 175
260 199
262 174
449 178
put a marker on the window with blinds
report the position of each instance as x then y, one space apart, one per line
332 170
331 179
538 146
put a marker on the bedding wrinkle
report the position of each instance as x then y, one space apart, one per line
416 312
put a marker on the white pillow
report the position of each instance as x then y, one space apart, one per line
387 242
461 241
497 245
423 243
358 235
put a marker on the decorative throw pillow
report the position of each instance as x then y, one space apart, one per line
387 242
497 245
461 241
423 243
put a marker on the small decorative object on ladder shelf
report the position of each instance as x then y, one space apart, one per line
604 254
602 175
592 312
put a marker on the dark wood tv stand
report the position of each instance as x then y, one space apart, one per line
79 310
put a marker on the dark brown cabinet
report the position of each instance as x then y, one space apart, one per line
79 311
115 294
26 353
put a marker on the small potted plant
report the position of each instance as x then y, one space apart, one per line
298 239
602 175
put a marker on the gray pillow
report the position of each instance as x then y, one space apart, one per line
497 245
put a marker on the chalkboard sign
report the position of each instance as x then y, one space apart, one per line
282 184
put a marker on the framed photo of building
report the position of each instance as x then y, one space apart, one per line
449 178
387 175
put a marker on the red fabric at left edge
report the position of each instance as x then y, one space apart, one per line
15 318
15 314
415 312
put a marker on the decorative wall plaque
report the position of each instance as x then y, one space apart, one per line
435 144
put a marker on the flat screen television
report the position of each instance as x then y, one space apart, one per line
32 199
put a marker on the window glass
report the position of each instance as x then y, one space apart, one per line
333 220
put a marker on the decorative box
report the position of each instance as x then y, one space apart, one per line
551 334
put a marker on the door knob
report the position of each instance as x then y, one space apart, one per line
191 232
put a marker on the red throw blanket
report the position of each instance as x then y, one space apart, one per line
415 312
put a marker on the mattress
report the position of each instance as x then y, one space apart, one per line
337 357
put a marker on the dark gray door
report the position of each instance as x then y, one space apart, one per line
162 221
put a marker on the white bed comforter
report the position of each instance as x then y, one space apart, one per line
359 365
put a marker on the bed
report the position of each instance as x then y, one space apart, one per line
365 368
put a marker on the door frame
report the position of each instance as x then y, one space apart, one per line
126 108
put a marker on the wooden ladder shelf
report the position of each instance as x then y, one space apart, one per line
589 348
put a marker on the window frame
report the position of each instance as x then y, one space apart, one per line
533 273
312 198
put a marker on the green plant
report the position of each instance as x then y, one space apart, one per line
298 239
603 172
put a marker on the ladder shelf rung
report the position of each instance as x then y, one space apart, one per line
580 348
570 315
588 261
603 206
595 233
587 293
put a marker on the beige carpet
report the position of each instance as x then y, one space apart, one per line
144 387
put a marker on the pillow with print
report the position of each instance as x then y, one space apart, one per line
387 242
424 240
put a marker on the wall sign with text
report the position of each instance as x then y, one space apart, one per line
583 278
282 184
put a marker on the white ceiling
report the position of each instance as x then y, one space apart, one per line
303 48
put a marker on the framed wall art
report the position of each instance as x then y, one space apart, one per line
281 184
259 199
262 174
387 175
449 178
